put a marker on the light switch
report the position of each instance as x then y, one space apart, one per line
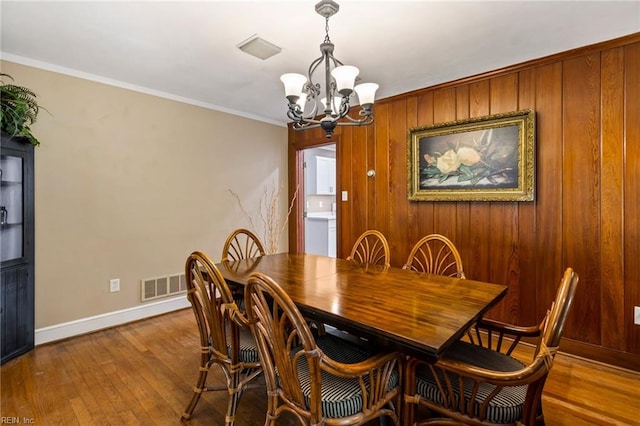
345 196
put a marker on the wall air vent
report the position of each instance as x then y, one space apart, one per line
156 288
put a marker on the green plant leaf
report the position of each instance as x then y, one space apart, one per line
18 110
465 170
431 171
443 178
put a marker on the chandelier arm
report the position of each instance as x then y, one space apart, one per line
312 123
344 108
336 61
303 121
305 126
312 69
355 122
293 114
296 114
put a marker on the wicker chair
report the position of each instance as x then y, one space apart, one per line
225 338
371 247
435 254
479 383
242 244
320 382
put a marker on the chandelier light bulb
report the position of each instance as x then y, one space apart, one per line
366 93
335 107
293 85
345 77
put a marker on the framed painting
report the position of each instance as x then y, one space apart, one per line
489 158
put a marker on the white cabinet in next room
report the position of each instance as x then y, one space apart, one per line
325 175
320 235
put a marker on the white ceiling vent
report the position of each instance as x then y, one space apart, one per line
259 47
155 288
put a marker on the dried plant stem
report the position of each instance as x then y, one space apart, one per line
269 215
286 219
237 197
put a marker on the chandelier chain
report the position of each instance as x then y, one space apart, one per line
326 30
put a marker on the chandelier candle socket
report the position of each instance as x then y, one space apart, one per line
303 94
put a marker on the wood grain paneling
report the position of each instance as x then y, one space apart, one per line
372 191
587 208
344 182
479 254
527 220
632 195
503 222
382 168
548 234
358 193
444 216
611 224
414 217
399 240
463 209
425 210
581 190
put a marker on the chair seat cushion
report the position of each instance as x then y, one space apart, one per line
248 347
341 397
504 408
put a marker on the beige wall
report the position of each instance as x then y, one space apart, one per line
128 184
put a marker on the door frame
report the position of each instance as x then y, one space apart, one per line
295 164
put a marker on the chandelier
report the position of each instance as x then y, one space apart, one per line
304 95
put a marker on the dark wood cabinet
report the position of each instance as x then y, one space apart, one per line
16 248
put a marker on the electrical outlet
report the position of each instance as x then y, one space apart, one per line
636 315
114 285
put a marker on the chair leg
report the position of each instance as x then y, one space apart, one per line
408 412
272 405
200 387
234 397
408 404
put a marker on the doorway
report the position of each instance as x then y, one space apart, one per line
319 206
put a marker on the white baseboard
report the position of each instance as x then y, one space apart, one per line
98 322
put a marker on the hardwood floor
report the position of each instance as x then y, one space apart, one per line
142 374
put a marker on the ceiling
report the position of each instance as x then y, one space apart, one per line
188 50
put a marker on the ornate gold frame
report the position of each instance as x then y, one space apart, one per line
489 158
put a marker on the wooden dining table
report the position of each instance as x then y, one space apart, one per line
418 313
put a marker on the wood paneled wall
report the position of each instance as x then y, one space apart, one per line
587 208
